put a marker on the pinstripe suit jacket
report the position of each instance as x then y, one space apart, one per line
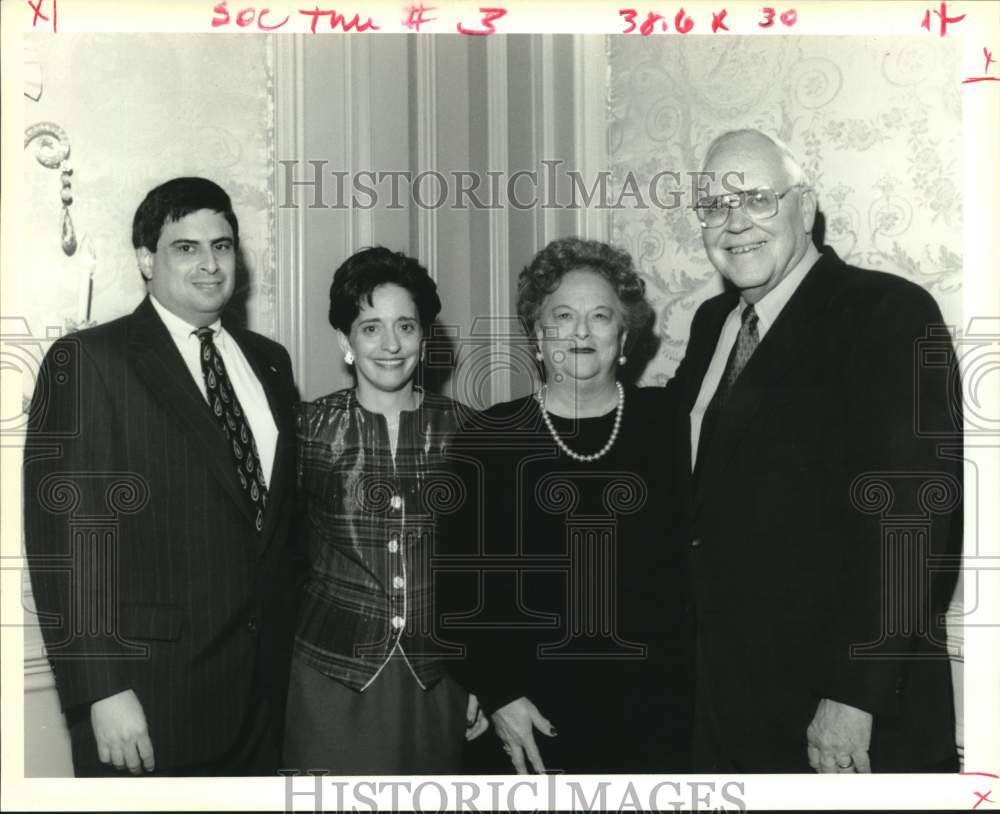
146 568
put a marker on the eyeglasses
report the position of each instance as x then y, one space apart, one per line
759 204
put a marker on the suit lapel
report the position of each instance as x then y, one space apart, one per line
788 343
157 362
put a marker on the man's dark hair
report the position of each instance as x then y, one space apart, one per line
175 199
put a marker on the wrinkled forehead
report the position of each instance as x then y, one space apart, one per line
746 164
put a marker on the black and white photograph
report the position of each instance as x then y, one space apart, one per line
600 399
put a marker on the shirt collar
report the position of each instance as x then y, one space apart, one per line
181 330
770 305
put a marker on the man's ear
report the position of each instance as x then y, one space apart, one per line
808 204
144 257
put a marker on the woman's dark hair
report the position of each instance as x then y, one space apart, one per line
174 200
364 271
542 276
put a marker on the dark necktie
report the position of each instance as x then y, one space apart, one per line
746 344
231 418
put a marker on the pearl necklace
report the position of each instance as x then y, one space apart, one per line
576 456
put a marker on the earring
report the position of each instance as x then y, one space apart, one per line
538 355
622 359
349 358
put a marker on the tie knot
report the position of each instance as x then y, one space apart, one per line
749 316
204 334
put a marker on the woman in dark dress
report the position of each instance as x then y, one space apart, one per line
576 630
368 691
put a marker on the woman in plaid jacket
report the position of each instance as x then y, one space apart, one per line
368 692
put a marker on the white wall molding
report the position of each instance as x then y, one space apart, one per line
543 122
497 160
38 675
427 147
955 622
290 238
356 91
590 88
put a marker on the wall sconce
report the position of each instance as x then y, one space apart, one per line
52 151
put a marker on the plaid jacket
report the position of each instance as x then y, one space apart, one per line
369 533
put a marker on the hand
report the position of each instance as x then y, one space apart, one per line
513 724
475 722
838 739
120 731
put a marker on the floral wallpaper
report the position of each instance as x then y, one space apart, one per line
139 109
874 121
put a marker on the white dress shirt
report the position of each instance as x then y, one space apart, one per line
248 388
767 309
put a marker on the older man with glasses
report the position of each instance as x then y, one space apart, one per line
820 404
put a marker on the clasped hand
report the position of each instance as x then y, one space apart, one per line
475 722
515 724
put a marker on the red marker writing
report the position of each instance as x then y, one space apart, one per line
36 7
989 58
415 16
945 19
717 21
244 17
490 15
338 20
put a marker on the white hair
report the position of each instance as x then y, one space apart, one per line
796 175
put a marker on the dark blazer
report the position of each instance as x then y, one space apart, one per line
825 521
146 568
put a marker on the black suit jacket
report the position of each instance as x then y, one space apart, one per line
825 520
146 568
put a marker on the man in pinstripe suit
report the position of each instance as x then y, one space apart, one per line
163 575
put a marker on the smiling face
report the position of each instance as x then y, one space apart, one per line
192 273
757 255
581 328
385 340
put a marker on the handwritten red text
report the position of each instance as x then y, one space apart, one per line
415 17
36 7
490 16
787 18
986 69
244 17
338 20
684 24
945 19
983 798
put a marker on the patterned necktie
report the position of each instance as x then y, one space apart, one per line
746 344
231 418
